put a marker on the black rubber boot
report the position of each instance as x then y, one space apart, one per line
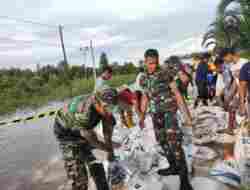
185 184
183 172
98 173
172 170
167 171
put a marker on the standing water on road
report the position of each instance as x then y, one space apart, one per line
26 145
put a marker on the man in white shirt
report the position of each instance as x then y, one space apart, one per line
237 63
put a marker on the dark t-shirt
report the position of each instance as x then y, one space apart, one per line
201 72
245 74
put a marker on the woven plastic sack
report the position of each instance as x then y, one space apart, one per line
219 85
204 183
242 151
227 172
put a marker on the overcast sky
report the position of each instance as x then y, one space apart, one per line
123 29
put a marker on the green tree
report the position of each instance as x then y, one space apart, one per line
129 68
103 60
232 25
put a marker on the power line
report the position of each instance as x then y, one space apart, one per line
28 21
72 53
35 42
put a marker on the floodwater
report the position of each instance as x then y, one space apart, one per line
24 145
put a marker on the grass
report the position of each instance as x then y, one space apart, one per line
245 55
245 188
13 100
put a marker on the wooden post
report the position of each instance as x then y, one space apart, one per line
93 61
62 44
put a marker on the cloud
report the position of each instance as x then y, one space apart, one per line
189 45
122 29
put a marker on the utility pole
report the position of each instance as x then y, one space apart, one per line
85 50
62 43
93 60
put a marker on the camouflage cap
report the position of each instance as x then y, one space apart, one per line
172 66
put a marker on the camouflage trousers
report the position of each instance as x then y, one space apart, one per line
170 137
77 158
79 161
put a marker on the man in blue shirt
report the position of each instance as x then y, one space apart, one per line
244 88
201 80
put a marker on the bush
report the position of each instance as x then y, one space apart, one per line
21 92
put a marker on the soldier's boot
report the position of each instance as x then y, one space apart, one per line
98 173
182 169
172 170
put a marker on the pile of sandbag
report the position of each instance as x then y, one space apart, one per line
209 124
140 157
242 151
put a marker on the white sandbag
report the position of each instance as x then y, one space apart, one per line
171 183
154 182
242 152
140 183
203 139
242 145
145 160
117 173
227 173
203 153
204 183
219 85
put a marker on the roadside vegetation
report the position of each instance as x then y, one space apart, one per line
25 88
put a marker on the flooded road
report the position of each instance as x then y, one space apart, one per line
24 145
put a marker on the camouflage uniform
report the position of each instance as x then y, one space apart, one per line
76 151
163 108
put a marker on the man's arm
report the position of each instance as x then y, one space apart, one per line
181 102
103 112
143 104
91 137
144 107
243 94
232 92
244 78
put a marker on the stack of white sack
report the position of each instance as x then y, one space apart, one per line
227 172
205 183
208 124
141 156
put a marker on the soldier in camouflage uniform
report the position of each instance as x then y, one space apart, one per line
73 128
162 98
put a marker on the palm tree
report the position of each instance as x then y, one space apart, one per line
232 27
224 4
223 32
